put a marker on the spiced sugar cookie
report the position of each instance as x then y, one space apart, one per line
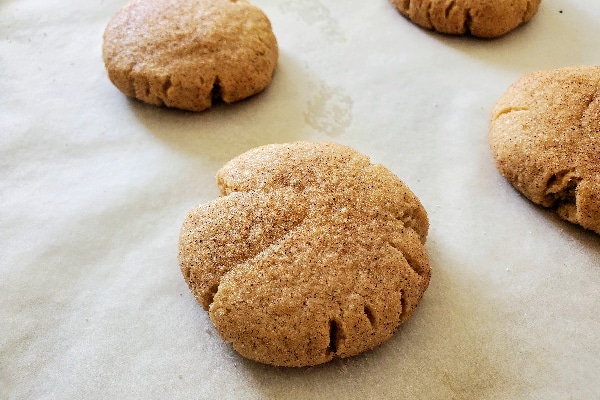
545 139
188 53
311 253
481 18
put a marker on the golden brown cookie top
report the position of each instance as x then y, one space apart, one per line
311 253
545 138
481 18
186 53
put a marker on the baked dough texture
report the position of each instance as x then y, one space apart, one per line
311 253
481 18
545 139
188 53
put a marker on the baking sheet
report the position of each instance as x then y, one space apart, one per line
94 188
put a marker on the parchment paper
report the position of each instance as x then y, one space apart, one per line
94 188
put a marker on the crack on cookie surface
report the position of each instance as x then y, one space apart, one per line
508 110
586 109
216 93
210 295
166 86
428 14
468 22
405 5
528 8
408 221
561 188
253 225
449 8
204 294
368 311
335 337
288 232
403 306
410 260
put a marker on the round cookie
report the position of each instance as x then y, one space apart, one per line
311 253
545 139
188 53
481 18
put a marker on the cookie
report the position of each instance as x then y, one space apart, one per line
545 139
310 253
189 53
481 18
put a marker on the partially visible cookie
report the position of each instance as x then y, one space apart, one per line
188 53
545 138
481 18
311 253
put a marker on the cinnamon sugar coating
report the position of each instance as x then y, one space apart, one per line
545 139
188 53
311 253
